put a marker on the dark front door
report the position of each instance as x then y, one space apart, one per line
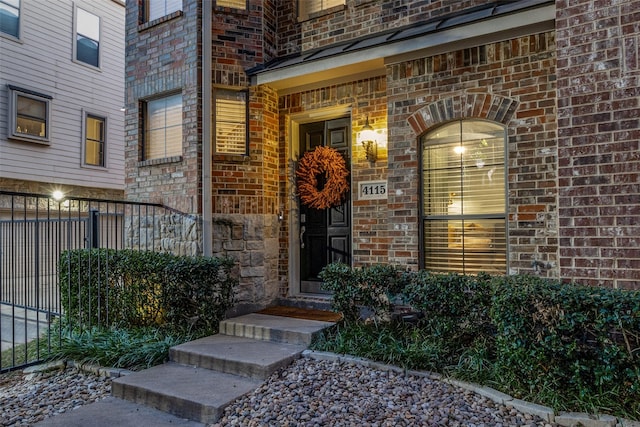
325 234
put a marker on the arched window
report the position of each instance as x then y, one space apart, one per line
464 203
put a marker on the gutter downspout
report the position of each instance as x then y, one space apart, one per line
207 230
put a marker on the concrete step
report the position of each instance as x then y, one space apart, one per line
197 394
111 412
273 328
236 355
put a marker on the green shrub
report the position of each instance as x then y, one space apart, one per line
563 345
105 287
371 287
586 339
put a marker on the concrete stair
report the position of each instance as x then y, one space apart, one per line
205 375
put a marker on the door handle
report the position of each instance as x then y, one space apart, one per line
302 230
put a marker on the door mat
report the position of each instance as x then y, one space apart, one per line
302 313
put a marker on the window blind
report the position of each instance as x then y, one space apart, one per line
234 4
464 206
307 7
163 127
230 122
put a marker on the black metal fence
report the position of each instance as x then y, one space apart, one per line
36 229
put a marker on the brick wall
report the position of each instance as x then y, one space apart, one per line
162 57
361 18
598 141
369 218
512 82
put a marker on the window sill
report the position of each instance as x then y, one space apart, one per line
34 140
162 161
231 157
146 25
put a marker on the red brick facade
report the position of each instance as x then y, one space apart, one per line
599 142
568 99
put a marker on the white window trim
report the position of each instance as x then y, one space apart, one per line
13 115
10 36
83 145
74 40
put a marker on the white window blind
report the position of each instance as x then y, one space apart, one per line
234 4
163 127
464 198
308 7
155 9
230 122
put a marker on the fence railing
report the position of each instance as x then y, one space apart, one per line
36 229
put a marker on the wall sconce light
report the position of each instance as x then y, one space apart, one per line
369 140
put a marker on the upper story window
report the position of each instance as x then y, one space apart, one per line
10 17
463 201
230 122
156 9
163 127
234 4
87 38
29 115
94 140
309 7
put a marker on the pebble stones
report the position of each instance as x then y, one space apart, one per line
322 393
26 398
308 393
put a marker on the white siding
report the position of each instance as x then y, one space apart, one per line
42 61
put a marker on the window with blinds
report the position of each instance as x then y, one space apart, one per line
156 9
230 122
163 127
308 7
234 4
464 203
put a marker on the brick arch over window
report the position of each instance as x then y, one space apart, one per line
470 105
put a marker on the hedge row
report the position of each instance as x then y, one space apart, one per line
539 334
105 287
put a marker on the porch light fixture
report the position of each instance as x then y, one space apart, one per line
57 195
369 140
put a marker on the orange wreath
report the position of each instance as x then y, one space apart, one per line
327 161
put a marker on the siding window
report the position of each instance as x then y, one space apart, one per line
87 38
29 115
230 112
163 127
309 7
464 208
10 17
94 140
233 4
156 9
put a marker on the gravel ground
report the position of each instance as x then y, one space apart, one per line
308 393
28 398
325 393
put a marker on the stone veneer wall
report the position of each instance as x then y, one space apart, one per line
252 240
599 141
512 82
174 233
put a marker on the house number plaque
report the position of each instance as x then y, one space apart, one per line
372 190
